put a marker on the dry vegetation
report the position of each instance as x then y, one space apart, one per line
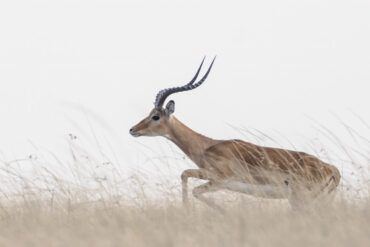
110 224
88 200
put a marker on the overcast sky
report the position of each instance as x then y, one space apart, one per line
69 66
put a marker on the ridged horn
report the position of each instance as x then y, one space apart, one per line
164 93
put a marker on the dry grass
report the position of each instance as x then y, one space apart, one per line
86 200
111 224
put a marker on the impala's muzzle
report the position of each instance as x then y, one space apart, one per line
133 133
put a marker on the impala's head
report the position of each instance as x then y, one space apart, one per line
157 123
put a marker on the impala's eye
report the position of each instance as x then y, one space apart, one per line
155 118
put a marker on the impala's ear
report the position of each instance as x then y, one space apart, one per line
170 108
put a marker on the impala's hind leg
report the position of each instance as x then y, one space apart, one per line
204 188
299 197
193 173
316 197
327 193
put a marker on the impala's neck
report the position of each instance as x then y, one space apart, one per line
190 142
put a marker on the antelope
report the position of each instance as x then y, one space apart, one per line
236 165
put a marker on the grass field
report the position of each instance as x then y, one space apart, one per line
35 222
86 200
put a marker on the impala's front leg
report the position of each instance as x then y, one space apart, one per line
205 188
193 173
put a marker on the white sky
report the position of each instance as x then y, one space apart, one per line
278 62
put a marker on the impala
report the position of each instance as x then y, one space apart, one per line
236 165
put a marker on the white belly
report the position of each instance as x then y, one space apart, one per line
269 191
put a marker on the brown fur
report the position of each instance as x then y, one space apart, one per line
221 160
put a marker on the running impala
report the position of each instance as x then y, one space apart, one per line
237 165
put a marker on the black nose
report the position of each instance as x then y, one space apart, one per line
131 130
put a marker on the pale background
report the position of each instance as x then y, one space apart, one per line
86 67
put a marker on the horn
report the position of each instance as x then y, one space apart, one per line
163 94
